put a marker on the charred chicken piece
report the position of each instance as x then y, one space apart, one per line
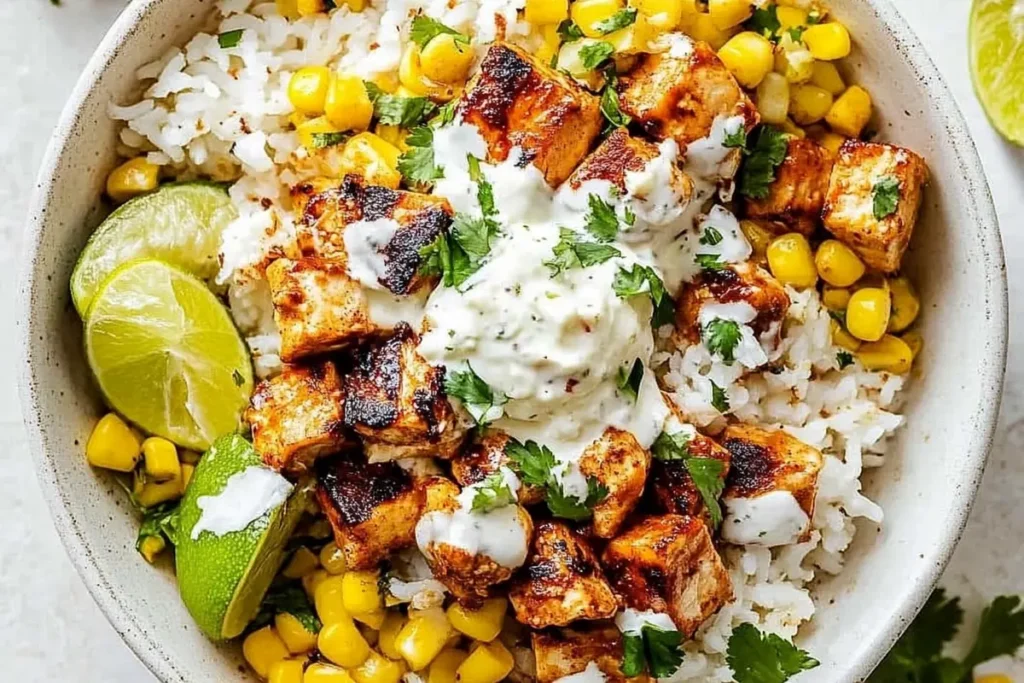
797 195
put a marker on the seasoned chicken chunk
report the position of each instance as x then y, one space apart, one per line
561 581
873 198
798 193
622 154
395 402
372 507
680 97
298 416
620 464
669 564
485 457
515 101
563 652
769 499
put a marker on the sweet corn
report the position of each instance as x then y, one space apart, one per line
412 77
132 178
188 457
793 60
842 338
545 12
332 559
993 678
302 562
373 158
773 98
791 261
286 671
347 104
837 264
186 476
378 669
831 141
152 546
482 624
360 593
393 135
905 304
758 236
488 663
703 28
355 5
889 353
665 15
809 103
297 638
827 77
423 637
749 57
343 644
149 493
867 314
588 14
445 60
327 597
289 9
307 8
851 112
325 673
828 41
113 445
915 341
444 666
728 13
372 619
551 41
307 89
835 298
393 623
262 648
320 126
633 39
312 581
791 17
161 459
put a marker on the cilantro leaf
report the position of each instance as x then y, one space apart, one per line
844 359
631 282
629 382
765 22
619 20
321 140
569 31
532 462
424 29
445 114
602 222
918 652
706 474
492 493
758 173
1001 631
668 447
610 107
736 139
654 649
711 236
230 39
484 189
640 279
595 54
536 465
571 252
289 598
407 112
160 521
710 262
570 507
814 17
417 165
719 399
634 661
796 33
885 197
756 657
460 252
721 337
475 394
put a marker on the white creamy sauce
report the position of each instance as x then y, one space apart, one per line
247 497
680 46
734 247
654 199
771 519
387 310
673 426
630 621
364 243
708 158
592 674
748 351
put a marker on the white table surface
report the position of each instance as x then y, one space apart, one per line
51 630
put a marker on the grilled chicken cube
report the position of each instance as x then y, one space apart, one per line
862 172
563 652
769 499
515 101
469 576
681 96
619 463
372 507
669 564
797 195
298 416
395 402
485 457
561 581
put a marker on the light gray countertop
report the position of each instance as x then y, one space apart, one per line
50 629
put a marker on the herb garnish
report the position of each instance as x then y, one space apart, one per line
290 598
492 493
595 54
762 160
321 140
629 381
640 279
476 395
610 104
844 359
712 262
719 399
765 22
569 31
755 657
619 20
392 110
417 164
572 252
484 189
706 473
711 236
160 521
602 221
230 39
654 649
460 252
721 337
885 196
736 139
536 464
424 29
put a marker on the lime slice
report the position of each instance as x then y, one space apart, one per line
166 354
179 223
223 578
997 63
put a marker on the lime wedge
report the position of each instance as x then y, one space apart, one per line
166 354
179 223
223 578
997 63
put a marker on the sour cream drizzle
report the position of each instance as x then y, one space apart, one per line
247 496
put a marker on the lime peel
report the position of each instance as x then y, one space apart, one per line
996 40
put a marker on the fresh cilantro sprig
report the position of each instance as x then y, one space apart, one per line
711 236
160 521
492 493
230 39
719 399
573 252
595 54
765 22
610 106
535 465
885 197
619 20
392 110
736 139
628 381
476 395
844 359
721 337
706 473
602 221
289 598
643 279
569 31
417 164
322 140
457 254
572 508
424 29
762 160
655 650
711 262
757 657
484 189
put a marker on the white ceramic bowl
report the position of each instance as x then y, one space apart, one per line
926 489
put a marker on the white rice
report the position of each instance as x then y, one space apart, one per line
223 114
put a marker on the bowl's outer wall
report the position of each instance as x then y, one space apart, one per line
926 488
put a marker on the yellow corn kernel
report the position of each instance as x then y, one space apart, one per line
296 637
314 132
835 298
161 459
355 5
635 38
828 41
791 17
588 14
319 672
445 60
867 314
262 648
993 678
728 13
360 593
373 158
703 28
837 264
188 457
488 663
312 581
905 304
149 493
665 15
889 353
412 77
286 671
790 128
482 624
551 41
809 103
758 236
545 12
393 135
791 261
423 637
332 559
444 666
307 8
793 60
372 619
773 98
186 476
827 77
152 546
327 597
307 89
915 341
348 105
302 562
132 178
749 57
113 445
289 9
842 338
343 644
393 623
851 112
831 141
378 669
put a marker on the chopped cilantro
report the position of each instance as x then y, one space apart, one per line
737 139
475 394
721 337
669 447
531 461
844 359
569 31
796 33
459 253
706 473
535 465
885 197
640 279
571 252
711 262
392 110
765 21
610 107
160 521
484 189
289 598
569 507
445 114
629 381
417 165
237 378
602 222
719 399
595 54
756 657
814 17
321 140
657 650
619 20
492 493
711 236
425 29
230 39
758 173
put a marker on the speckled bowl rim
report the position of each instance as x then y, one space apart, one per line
150 652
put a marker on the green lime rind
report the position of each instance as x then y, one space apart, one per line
167 355
223 579
180 223
996 42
